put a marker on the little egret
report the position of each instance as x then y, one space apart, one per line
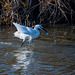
29 33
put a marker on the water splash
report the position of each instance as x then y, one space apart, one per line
6 43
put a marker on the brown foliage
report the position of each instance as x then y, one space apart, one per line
50 10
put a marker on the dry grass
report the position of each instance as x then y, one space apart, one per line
50 10
54 10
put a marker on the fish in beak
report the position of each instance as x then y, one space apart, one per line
44 30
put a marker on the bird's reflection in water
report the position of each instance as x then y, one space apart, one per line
23 57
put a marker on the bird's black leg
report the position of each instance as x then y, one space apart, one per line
22 43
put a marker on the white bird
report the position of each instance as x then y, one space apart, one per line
29 33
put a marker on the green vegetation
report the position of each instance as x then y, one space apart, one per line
49 11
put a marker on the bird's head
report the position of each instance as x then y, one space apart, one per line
40 27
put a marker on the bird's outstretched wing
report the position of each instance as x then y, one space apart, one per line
31 30
21 28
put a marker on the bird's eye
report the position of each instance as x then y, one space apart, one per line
32 26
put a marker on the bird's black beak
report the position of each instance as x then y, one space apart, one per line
44 30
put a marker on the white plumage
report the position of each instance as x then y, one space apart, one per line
29 33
